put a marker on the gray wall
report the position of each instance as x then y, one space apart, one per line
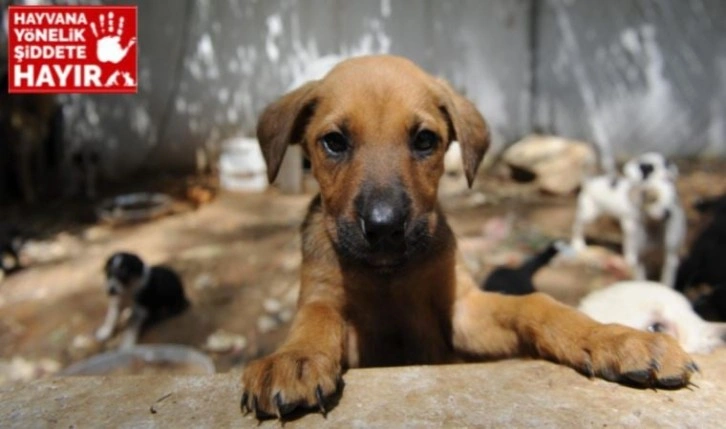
634 75
628 75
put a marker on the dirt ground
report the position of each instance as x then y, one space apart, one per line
239 257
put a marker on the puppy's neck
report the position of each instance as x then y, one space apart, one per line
144 279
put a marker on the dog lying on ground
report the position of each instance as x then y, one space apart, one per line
703 265
646 193
382 282
653 307
518 281
154 293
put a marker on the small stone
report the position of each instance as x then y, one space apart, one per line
82 342
205 281
291 261
286 315
96 233
292 294
202 252
271 305
558 165
266 324
222 341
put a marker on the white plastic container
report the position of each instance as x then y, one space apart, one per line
241 166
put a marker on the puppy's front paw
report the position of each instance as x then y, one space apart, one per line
103 333
278 384
637 358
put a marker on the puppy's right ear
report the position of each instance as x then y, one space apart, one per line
283 123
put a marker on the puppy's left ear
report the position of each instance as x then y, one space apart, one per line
283 123
467 126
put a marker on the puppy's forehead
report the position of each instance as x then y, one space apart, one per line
368 79
382 69
373 94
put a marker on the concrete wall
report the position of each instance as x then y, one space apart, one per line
629 75
634 75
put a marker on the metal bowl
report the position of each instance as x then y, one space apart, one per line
136 207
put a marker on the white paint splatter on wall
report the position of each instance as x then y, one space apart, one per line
274 31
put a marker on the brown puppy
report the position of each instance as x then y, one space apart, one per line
381 281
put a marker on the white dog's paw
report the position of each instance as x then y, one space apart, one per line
103 333
128 341
577 245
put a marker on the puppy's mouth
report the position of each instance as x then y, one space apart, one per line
384 256
114 287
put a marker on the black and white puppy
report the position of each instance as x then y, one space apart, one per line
153 292
646 192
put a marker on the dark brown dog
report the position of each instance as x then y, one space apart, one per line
381 281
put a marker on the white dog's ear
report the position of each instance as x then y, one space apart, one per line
283 123
467 126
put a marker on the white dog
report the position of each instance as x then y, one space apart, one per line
646 192
653 307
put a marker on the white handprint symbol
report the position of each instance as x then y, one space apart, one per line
108 45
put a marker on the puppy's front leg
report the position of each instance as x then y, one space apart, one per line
131 334
493 325
305 370
104 332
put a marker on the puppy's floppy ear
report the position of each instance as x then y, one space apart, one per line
283 123
467 126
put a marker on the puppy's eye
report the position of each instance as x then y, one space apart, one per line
425 142
657 327
335 143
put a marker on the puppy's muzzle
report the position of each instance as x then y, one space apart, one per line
114 287
382 217
383 225
646 169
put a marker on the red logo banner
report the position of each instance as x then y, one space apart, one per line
72 49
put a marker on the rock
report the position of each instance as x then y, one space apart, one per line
272 306
199 195
558 165
205 281
291 261
61 247
83 346
267 323
21 369
96 233
210 251
291 296
505 393
286 315
222 341
82 342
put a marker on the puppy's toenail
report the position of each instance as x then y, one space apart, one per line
321 402
243 403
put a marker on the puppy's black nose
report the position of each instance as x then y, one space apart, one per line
382 224
382 216
646 169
